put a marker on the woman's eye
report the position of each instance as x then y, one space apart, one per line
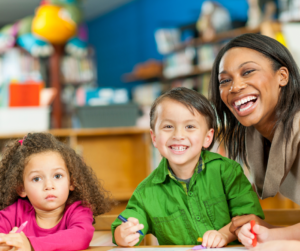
247 72
36 179
225 81
57 176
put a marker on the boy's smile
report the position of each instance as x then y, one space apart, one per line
179 136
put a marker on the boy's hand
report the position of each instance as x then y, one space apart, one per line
246 237
238 221
214 239
126 234
18 241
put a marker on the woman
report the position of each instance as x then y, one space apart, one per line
255 87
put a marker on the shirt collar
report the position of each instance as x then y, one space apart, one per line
162 171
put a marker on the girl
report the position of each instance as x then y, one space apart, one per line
44 182
255 88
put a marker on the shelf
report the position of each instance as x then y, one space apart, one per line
196 71
219 37
130 77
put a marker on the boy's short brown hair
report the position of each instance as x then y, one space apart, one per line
192 100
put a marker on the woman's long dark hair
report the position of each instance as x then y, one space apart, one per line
231 132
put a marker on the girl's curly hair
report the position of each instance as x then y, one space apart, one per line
88 188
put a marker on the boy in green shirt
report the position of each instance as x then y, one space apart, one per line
193 192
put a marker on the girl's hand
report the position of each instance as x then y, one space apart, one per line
246 237
277 246
126 234
214 239
19 241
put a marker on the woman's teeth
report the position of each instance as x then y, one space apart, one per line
245 103
179 148
244 100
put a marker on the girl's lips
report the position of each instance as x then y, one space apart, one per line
50 197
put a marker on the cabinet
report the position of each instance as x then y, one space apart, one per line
120 157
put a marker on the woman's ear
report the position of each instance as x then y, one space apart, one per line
283 76
21 191
208 138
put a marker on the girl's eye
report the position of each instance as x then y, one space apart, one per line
247 72
225 81
190 127
57 176
36 179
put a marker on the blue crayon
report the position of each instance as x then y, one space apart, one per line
120 217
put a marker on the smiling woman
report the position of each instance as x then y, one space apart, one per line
255 88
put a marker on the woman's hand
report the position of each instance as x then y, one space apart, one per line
239 221
277 246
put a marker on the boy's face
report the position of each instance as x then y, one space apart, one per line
180 135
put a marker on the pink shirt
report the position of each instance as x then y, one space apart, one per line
73 232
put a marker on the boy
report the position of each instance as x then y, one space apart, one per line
193 192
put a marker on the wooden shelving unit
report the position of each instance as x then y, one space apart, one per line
120 156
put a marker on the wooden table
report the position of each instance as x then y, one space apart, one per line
108 248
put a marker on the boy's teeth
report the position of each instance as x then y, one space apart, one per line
179 148
244 100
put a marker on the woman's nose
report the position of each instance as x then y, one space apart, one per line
237 86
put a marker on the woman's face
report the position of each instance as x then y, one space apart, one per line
249 86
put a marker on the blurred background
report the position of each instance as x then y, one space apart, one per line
89 70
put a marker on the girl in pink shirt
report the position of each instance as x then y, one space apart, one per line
44 182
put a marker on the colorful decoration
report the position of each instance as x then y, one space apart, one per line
55 22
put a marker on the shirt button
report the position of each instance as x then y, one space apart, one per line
198 218
190 194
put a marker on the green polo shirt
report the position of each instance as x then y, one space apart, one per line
217 193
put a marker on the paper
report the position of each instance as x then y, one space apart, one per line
176 249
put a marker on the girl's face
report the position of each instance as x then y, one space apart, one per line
249 86
46 181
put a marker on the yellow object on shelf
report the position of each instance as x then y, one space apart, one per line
54 24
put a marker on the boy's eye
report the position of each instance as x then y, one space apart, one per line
57 176
36 179
168 126
190 126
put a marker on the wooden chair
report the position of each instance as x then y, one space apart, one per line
102 235
282 217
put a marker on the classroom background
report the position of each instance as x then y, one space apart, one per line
100 64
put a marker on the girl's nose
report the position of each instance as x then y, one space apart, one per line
49 185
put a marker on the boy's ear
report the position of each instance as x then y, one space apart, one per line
208 138
21 192
152 133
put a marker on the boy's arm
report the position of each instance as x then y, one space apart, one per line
134 209
240 195
228 235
